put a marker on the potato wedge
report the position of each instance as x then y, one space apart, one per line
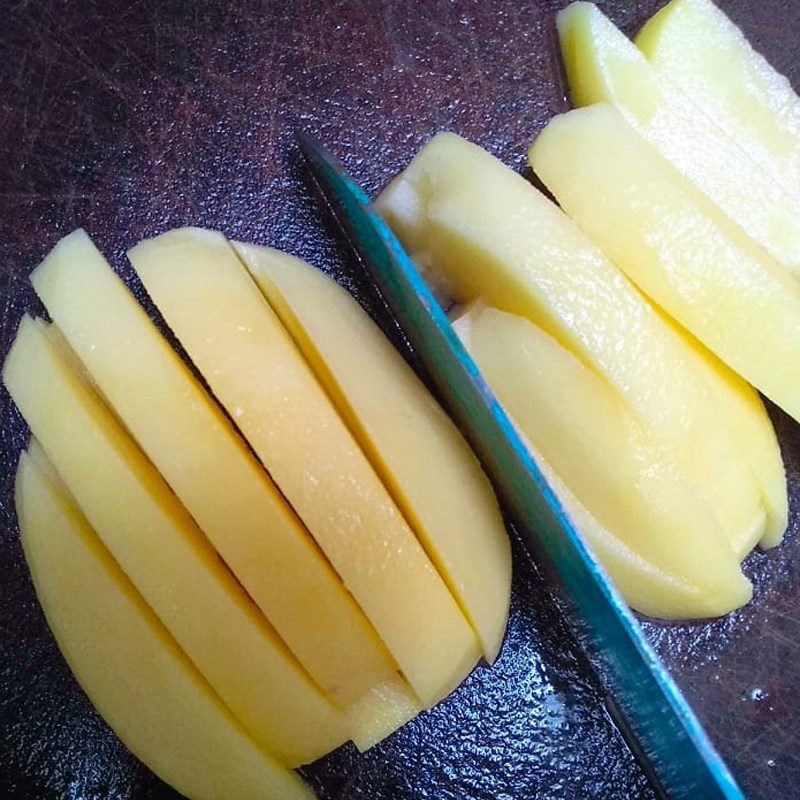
694 45
511 246
676 246
623 477
603 65
743 410
167 714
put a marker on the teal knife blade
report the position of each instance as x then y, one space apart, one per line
660 727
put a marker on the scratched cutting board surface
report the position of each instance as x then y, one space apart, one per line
128 118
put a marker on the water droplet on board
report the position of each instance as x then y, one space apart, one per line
756 694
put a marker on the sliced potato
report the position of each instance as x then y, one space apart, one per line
134 673
222 485
645 588
699 50
380 713
511 246
604 65
167 557
254 369
742 408
676 246
415 448
626 481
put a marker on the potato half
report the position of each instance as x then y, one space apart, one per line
223 486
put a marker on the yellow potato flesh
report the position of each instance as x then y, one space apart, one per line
257 373
743 410
645 588
418 452
511 246
602 64
624 479
698 49
673 243
167 557
210 468
380 713
127 663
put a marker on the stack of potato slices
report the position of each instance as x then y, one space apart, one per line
627 331
301 552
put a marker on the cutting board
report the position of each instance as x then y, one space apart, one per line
128 118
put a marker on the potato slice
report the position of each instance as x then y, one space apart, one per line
645 588
167 715
430 470
222 485
676 246
604 65
623 477
167 557
694 45
254 369
511 246
743 410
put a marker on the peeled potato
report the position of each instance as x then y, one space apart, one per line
257 373
208 465
701 52
134 673
432 474
741 407
644 587
167 557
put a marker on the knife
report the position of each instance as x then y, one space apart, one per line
655 719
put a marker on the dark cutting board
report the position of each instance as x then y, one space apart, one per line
128 118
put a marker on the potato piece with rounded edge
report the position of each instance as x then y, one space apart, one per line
254 369
743 410
430 470
602 64
166 556
676 246
168 715
645 588
698 49
223 486
511 246
623 477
